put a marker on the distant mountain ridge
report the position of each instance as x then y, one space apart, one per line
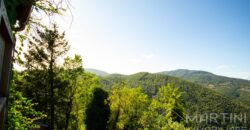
231 87
97 72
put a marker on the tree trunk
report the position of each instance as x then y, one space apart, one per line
51 81
68 113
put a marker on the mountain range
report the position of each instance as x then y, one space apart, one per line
230 87
202 92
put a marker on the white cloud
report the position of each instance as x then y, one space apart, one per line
148 56
222 67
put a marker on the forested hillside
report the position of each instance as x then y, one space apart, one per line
196 98
231 87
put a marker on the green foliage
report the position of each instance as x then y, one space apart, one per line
72 70
139 101
169 99
42 72
21 113
98 111
195 98
74 97
73 91
231 87
127 106
131 109
162 112
45 49
87 83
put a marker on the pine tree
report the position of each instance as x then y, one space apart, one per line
43 52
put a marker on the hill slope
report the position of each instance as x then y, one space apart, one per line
196 98
232 87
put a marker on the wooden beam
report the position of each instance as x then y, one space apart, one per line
2 112
5 26
7 44
2 102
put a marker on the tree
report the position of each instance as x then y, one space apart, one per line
73 68
86 84
71 71
43 52
98 111
165 111
73 92
21 114
127 106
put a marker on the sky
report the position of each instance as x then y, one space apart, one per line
129 36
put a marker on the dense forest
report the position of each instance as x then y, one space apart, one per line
195 98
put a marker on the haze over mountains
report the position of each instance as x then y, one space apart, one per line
97 72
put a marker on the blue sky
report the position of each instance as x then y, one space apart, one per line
129 36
